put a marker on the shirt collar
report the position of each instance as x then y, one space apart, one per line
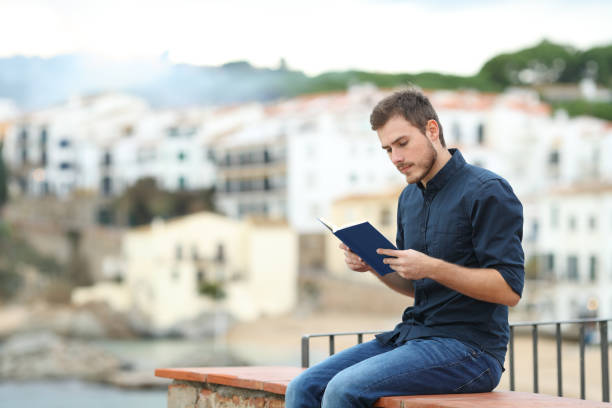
445 174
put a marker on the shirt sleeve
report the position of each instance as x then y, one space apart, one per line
497 232
399 237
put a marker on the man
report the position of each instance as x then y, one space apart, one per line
459 231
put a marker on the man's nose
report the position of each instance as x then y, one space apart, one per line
396 157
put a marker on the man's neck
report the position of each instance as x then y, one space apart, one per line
443 157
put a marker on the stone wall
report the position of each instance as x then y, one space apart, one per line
187 394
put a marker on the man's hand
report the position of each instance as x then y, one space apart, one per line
485 284
408 263
354 262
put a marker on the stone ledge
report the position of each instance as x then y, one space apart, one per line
272 379
264 387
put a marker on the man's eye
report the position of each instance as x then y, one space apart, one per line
402 144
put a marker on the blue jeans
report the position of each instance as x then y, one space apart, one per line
358 376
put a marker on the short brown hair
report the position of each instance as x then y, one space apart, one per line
412 105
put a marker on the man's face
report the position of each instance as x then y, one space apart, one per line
410 151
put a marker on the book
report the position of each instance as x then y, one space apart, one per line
363 239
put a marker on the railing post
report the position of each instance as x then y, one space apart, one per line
512 358
332 345
559 362
305 351
534 335
582 382
603 342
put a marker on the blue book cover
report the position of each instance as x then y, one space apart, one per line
363 239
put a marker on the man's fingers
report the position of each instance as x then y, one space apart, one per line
390 252
393 261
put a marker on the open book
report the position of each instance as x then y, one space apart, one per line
363 239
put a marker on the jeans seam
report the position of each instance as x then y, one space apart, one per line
472 380
454 363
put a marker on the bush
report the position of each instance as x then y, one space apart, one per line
10 282
213 290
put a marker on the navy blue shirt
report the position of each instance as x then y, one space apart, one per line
467 216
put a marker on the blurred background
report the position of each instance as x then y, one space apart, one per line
162 166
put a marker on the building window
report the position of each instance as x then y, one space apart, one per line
65 166
592 223
200 275
220 255
385 217
173 131
457 132
572 223
553 157
108 159
550 262
572 268
64 143
43 136
535 228
182 156
554 217
480 134
182 183
195 255
23 135
105 216
593 268
107 186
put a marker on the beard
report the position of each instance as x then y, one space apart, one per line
421 168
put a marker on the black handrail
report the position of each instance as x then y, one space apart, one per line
603 342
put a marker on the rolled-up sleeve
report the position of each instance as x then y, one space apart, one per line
497 231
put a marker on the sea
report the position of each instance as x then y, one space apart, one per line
142 356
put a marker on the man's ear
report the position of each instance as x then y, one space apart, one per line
432 131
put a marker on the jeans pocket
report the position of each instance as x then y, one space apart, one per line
481 383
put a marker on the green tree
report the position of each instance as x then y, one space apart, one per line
143 201
598 60
546 63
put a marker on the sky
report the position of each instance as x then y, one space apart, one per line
312 36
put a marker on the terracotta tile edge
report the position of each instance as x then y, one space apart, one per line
274 387
179 374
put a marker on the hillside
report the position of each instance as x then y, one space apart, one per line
35 82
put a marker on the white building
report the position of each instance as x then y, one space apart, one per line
57 150
170 267
574 251
305 153
105 143
501 132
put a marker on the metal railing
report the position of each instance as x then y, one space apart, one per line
558 334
